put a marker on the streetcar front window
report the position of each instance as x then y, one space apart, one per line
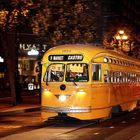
77 72
54 73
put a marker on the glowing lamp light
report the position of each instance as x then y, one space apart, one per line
124 37
33 52
1 60
62 98
118 37
121 32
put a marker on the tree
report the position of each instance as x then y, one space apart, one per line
129 46
13 14
66 21
60 22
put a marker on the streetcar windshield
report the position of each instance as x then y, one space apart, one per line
55 73
77 72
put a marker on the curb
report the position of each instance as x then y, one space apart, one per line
14 112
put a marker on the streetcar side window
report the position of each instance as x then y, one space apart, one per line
96 72
106 76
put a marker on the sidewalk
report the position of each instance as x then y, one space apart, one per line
29 103
137 137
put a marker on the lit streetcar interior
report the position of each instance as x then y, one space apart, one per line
71 72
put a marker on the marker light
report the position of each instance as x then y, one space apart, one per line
81 92
62 98
46 91
105 59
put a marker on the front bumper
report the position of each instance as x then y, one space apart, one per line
66 109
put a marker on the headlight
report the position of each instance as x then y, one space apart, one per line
62 98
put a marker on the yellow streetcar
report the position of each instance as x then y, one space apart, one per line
88 82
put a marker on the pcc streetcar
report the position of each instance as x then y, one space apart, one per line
88 82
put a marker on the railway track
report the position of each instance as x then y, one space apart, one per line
74 130
123 127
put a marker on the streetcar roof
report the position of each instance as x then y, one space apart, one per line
88 50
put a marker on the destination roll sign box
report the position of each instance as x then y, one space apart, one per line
72 57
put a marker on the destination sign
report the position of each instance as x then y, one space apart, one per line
71 57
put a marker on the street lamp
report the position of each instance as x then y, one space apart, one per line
120 37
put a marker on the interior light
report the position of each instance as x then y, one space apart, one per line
33 52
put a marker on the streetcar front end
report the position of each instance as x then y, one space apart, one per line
65 90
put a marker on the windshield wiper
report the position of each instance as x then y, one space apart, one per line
74 83
47 83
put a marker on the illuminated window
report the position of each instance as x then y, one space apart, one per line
106 76
117 61
96 72
77 72
54 73
111 77
111 60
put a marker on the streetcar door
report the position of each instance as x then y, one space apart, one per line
96 72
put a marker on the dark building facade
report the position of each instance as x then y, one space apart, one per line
71 21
